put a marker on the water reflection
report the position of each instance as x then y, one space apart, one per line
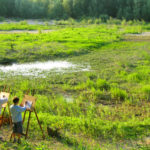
40 68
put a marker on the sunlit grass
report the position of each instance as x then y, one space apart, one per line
109 102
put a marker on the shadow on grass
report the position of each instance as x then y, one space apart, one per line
71 142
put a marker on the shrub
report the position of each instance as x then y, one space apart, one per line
104 17
71 21
23 22
98 21
113 21
46 23
130 22
84 21
90 21
123 22
62 22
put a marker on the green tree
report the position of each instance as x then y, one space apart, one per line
68 7
55 9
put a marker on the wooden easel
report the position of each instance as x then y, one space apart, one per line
33 100
6 94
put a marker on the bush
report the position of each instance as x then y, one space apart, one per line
83 21
113 21
123 22
104 17
23 22
98 21
62 22
90 21
130 22
71 21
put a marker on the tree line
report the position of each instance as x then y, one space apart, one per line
63 9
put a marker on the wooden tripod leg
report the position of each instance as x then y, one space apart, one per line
4 88
9 90
24 116
3 115
10 120
28 91
28 125
11 136
39 123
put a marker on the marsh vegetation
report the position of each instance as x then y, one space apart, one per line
103 107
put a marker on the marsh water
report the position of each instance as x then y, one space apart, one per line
41 68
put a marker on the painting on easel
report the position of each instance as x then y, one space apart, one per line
4 96
29 101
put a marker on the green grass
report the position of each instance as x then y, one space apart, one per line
23 25
57 44
110 102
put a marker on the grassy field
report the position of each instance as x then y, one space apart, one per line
110 102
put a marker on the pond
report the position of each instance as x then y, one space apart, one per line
39 69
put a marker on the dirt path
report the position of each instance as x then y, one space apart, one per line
141 34
30 21
145 36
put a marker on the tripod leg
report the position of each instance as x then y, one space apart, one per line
4 88
39 123
8 89
10 120
24 116
3 115
11 136
28 125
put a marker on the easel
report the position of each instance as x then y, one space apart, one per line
33 100
6 94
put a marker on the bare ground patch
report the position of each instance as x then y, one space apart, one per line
30 21
145 36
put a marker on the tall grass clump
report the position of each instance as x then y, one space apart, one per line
98 21
137 77
123 22
90 21
146 91
102 84
114 21
118 94
134 29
